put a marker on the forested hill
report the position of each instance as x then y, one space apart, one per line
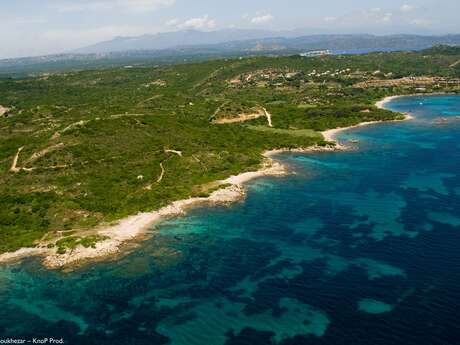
442 50
81 148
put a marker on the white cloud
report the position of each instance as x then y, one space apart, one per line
198 23
407 8
172 22
377 20
105 5
387 17
262 19
26 42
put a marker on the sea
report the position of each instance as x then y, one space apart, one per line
355 247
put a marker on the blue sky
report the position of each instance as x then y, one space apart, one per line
34 27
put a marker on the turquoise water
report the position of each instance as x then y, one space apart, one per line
359 247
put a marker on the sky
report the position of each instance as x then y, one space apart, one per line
39 27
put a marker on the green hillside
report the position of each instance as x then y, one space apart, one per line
94 143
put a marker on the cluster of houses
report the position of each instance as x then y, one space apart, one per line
287 77
419 83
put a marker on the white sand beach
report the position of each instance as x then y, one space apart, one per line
330 135
136 226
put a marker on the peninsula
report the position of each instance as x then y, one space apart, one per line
90 159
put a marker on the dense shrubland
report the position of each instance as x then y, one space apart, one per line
103 134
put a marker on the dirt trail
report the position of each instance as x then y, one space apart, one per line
220 108
179 153
160 178
37 155
208 78
269 117
240 118
3 110
149 99
455 64
118 116
261 112
69 127
14 167
81 123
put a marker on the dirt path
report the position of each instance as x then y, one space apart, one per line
219 108
240 118
269 117
160 178
37 155
14 167
149 99
208 78
179 153
162 168
82 123
3 110
455 64
261 112
118 116
69 127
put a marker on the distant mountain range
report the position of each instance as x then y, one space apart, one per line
258 39
191 45
169 40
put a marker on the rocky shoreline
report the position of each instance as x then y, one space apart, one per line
134 227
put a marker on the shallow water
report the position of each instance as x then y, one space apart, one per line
359 247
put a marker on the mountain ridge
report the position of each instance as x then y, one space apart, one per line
190 50
244 38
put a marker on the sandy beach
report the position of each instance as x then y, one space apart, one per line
330 135
136 226
381 104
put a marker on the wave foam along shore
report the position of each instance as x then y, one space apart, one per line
135 226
